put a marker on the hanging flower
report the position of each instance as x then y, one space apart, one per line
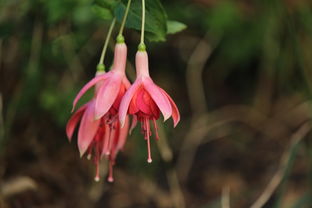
145 100
113 87
96 137
100 132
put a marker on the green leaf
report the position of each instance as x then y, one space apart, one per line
175 27
108 4
102 12
156 18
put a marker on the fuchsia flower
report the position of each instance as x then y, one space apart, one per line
97 137
145 100
113 87
100 132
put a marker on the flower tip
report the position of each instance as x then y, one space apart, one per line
166 117
110 179
81 153
69 138
96 178
175 123
97 117
122 123
149 160
89 157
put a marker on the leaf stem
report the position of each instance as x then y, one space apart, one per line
124 18
101 65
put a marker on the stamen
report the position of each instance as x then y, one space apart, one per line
149 157
89 156
105 140
156 129
107 143
142 128
133 124
111 137
110 177
97 175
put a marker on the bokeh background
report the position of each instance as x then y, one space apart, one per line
241 75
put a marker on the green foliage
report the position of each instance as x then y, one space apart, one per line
157 25
175 27
102 12
104 9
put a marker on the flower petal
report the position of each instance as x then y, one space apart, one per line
175 110
144 101
124 105
73 121
159 98
87 130
107 95
90 84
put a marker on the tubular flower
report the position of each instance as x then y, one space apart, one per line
100 132
145 100
113 86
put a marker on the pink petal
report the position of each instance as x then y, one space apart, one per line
142 102
73 121
124 105
126 82
107 95
123 134
159 98
133 107
175 110
90 84
87 130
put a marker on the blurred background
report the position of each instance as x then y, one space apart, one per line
241 75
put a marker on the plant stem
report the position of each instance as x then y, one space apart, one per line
124 18
143 22
106 41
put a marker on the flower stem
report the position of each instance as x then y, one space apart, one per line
142 45
124 18
101 66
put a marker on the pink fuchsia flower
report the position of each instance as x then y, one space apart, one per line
97 137
100 132
113 86
145 100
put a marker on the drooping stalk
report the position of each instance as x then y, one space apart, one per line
143 22
101 66
124 18
142 46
